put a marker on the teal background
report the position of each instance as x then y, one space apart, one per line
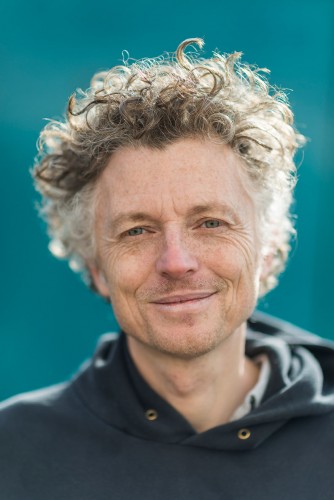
49 321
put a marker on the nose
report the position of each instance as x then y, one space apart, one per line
177 258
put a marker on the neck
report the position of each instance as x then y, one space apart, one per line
206 390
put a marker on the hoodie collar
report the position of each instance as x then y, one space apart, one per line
113 389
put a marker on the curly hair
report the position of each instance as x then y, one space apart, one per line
152 103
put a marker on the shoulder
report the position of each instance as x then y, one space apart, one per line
290 333
36 434
30 417
29 407
40 427
45 397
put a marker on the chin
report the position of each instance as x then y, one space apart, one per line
185 343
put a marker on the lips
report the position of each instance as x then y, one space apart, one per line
180 299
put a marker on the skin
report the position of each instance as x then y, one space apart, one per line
178 255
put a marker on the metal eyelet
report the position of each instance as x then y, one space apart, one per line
151 414
244 434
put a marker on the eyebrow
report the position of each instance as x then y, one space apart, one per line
135 217
220 207
128 217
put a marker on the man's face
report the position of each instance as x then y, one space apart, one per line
177 244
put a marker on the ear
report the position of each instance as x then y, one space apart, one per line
99 281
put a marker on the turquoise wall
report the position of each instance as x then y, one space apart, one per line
49 322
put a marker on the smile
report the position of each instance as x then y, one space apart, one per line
189 301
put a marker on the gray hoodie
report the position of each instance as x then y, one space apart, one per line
90 438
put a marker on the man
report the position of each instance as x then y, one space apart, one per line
169 185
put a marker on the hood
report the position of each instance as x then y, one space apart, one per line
301 385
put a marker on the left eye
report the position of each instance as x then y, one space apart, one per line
211 224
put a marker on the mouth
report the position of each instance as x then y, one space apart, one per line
183 299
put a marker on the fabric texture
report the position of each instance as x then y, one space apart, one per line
94 438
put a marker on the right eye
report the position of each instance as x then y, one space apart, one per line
136 231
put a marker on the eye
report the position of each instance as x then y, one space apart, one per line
212 223
136 231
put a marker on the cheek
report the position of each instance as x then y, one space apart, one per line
232 260
128 269
127 272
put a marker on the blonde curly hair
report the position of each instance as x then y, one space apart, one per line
152 103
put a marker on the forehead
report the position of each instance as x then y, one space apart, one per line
186 173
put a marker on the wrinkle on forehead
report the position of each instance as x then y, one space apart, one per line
174 180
